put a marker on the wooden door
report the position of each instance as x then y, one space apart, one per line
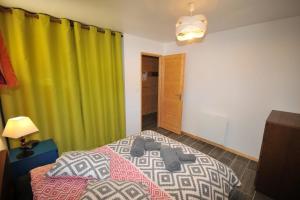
171 76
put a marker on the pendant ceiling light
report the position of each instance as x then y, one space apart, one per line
190 27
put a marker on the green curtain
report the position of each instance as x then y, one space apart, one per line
70 80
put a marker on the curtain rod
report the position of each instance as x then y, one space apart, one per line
55 19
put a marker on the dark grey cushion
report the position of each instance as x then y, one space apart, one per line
184 157
170 158
152 146
138 146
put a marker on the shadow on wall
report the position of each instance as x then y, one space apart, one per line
2 143
2 139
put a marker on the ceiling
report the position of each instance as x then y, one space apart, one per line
156 19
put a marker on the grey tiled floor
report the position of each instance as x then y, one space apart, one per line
244 168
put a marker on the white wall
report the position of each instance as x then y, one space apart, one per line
133 46
241 75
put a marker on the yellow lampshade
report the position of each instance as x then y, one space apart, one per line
18 127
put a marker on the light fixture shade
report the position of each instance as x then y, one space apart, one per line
190 27
18 127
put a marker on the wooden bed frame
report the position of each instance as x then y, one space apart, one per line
6 182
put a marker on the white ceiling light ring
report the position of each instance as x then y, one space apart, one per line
190 27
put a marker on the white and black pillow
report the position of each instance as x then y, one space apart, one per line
86 164
115 190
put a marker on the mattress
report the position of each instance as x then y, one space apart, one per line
207 178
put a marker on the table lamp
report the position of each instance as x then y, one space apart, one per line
18 128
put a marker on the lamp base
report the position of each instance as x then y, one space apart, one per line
25 151
25 154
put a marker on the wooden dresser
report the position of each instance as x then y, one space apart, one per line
278 173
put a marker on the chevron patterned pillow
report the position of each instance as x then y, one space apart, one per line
113 189
85 164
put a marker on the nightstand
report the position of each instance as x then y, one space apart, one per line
44 153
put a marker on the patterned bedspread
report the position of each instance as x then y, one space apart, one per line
207 178
44 187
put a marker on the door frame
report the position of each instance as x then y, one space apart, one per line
159 56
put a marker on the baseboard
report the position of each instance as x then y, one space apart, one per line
221 146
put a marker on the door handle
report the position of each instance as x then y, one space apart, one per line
179 96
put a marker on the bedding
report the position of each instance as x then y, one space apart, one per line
206 178
113 189
87 164
71 188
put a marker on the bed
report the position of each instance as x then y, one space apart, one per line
207 178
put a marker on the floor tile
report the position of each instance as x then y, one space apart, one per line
252 165
229 155
198 145
248 182
227 158
174 136
207 148
216 153
238 165
225 161
163 131
187 140
260 196
239 195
